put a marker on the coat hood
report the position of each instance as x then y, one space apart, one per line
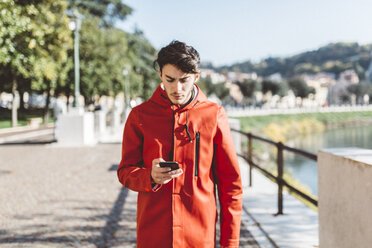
160 97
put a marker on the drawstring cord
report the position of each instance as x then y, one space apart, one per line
187 122
186 127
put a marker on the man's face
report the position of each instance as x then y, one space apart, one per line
178 85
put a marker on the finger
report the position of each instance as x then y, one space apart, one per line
167 181
178 171
156 161
162 170
166 177
163 180
177 174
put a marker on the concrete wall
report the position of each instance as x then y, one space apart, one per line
345 197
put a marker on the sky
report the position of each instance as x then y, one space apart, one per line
226 32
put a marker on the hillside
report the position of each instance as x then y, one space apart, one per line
334 58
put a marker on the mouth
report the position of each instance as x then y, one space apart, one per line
177 97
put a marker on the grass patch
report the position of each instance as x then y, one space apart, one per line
23 116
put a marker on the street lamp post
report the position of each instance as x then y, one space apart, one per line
75 25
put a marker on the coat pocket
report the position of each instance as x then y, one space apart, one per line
197 151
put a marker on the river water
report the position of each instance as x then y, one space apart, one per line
305 170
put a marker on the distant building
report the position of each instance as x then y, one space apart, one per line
240 76
349 76
338 93
321 83
215 76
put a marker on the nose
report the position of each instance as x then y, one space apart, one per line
179 86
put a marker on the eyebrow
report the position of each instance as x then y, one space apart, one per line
174 78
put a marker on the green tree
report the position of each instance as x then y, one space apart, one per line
268 85
247 88
283 89
108 11
33 38
101 59
141 55
359 90
206 85
51 53
300 88
104 52
219 89
16 56
334 57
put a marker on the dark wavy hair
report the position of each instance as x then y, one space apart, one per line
177 53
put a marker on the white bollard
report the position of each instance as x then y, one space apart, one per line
100 122
75 129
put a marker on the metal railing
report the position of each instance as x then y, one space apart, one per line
280 166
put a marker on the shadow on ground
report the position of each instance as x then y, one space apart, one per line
54 229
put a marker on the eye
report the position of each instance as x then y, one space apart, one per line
170 80
184 80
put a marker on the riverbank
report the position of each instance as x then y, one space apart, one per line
289 127
283 127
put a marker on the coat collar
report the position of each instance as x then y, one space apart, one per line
160 97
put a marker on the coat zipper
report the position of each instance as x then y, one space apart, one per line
172 145
197 150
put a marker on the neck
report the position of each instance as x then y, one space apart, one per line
190 99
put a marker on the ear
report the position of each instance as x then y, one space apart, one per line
159 73
197 76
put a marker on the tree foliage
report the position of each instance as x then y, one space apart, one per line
107 11
101 59
334 57
36 49
34 39
359 90
104 53
218 89
300 88
206 85
248 87
270 86
141 54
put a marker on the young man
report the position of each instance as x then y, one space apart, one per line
177 208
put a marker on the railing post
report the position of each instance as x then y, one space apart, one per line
250 150
280 177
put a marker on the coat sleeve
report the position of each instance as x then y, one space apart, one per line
131 172
228 182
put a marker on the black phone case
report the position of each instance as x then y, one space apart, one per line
171 164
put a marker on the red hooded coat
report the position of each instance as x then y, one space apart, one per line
183 212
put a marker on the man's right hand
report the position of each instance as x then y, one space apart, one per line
163 175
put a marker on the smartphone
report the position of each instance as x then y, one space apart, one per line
172 164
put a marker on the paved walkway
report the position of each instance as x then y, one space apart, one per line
63 197
296 228
27 135
55 196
